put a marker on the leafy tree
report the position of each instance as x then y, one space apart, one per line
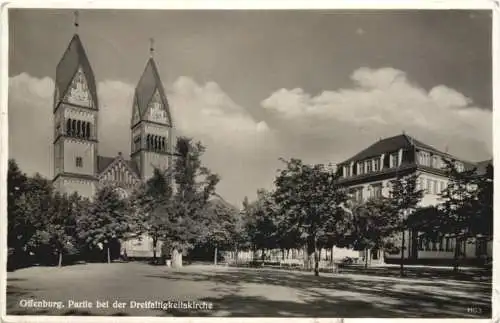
149 201
20 228
222 218
60 226
261 222
405 198
194 184
107 220
373 225
311 202
461 207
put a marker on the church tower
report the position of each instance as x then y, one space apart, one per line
75 122
151 124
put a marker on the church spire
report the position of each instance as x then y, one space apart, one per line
151 47
76 23
150 89
73 60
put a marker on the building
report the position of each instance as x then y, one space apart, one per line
368 174
78 164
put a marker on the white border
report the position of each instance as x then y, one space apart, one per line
229 4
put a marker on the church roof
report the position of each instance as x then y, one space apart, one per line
73 58
103 162
392 144
148 83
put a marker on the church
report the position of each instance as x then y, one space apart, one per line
78 165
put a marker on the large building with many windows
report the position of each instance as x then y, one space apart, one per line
78 164
369 173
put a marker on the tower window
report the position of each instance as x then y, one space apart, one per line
79 162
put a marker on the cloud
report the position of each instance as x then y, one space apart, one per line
383 102
234 140
326 127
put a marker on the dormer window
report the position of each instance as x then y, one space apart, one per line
369 166
459 166
424 158
361 168
394 160
376 165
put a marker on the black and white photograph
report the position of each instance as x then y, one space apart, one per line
320 163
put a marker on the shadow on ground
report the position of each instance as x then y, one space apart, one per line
342 295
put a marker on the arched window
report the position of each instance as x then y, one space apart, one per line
163 143
73 127
68 127
78 128
148 142
84 129
156 143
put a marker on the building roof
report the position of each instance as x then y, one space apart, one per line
146 88
103 162
392 144
73 58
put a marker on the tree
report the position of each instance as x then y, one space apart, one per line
261 222
107 220
461 208
311 202
194 184
223 220
373 225
405 198
149 200
20 228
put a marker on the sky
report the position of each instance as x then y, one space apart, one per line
254 86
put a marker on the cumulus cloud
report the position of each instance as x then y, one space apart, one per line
205 112
326 127
383 102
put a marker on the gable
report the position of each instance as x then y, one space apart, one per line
136 116
156 110
78 91
119 172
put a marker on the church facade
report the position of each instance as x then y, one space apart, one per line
78 164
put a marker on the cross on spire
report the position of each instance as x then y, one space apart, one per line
76 20
151 46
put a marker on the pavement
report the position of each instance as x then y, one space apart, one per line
139 289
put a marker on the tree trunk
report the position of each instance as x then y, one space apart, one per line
334 266
306 258
401 267
176 258
109 255
60 258
263 256
316 258
282 254
236 255
155 242
456 253
287 253
366 258
215 256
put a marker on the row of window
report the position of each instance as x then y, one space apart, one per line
448 244
443 244
431 186
435 161
78 128
153 143
374 191
372 165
